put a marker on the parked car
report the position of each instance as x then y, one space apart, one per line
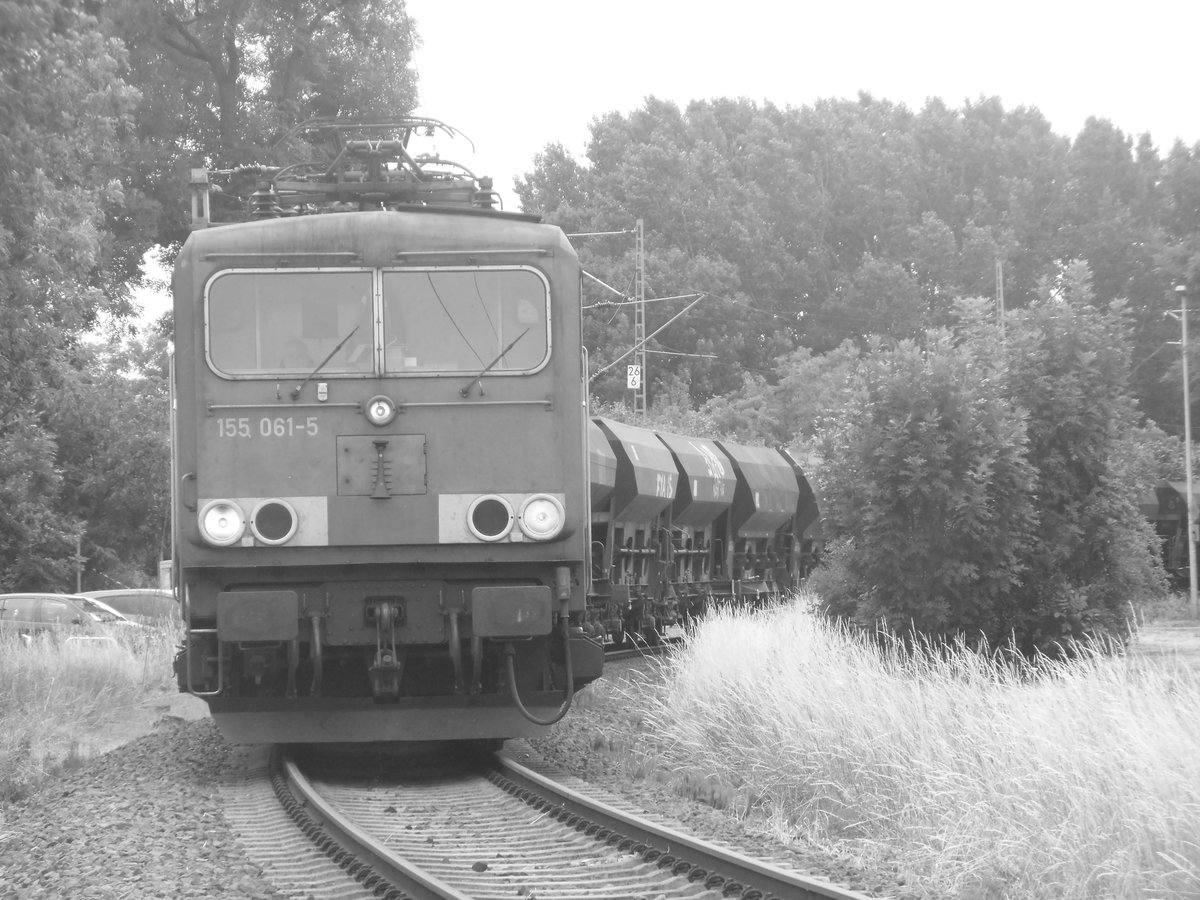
68 616
104 613
149 606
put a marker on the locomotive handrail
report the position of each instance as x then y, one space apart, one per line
188 663
516 251
406 125
213 407
546 402
282 254
188 631
400 407
189 478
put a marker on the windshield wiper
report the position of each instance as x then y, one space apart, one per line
478 379
313 374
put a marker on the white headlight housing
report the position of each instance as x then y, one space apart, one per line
274 522
542 517
490 517
380 410
222 523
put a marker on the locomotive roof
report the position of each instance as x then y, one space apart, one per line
378 238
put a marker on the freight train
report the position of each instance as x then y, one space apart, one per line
394 519
680 523
1166 508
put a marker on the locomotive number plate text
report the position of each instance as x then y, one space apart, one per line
267 427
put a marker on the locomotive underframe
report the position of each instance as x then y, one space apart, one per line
332 651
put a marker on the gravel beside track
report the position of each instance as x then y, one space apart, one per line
145 820
141 821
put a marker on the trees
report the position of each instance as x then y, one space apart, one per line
930 499
1068 364
707 229
65 109
857 218
105 108
985 483
224 80
810 226
113 452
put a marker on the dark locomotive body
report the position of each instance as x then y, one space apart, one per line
380 456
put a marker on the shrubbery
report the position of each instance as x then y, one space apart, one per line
986 486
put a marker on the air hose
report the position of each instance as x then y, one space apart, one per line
510 652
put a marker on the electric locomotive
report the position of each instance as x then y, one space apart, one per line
380 452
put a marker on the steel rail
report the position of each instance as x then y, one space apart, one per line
755 878
389 875
641 651
362 850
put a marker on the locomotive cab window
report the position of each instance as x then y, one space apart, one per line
271 323
464 320
268 322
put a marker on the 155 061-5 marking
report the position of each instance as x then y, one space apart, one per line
267 426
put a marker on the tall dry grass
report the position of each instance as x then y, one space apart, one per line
972 778
53 692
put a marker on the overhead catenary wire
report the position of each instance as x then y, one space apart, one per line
587 274
681 353
643 342
629 301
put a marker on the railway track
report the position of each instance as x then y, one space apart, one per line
632 649
495 829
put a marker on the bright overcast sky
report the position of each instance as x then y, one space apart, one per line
516 75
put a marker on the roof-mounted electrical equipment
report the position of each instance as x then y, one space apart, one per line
344 165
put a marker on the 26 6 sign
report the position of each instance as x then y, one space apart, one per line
633 377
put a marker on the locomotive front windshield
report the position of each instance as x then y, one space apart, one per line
363 322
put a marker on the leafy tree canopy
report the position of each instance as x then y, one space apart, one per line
106 107
849 219
65 110
986 482
223 81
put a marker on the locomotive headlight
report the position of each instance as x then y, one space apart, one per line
542 517
274 522
222 523
380 410
490 517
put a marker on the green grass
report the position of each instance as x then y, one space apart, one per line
51 694
971 778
